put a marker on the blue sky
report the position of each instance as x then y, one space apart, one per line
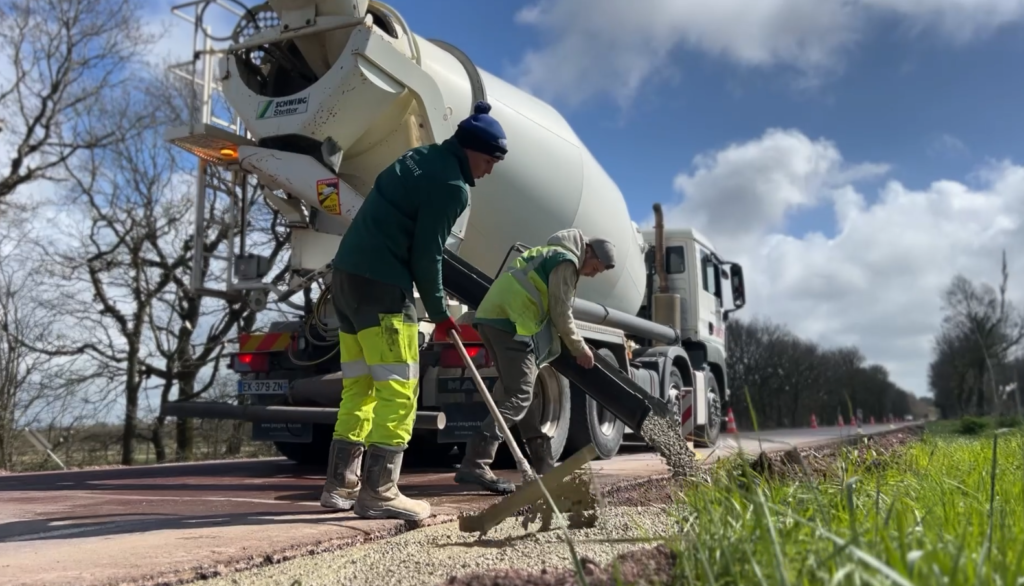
931 91
854 155
902 98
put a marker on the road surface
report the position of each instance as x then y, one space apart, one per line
173 523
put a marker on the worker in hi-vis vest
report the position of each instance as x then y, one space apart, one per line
396 239
520 320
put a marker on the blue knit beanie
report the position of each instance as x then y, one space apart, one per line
482 133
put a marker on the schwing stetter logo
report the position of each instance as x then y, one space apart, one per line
283 107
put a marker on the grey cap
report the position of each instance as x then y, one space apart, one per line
604 250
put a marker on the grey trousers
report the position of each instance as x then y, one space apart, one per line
517 371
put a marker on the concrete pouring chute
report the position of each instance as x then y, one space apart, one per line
304 178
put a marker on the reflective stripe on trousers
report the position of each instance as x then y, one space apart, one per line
355 413
380 370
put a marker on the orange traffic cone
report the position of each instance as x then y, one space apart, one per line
730 423
814 422
840 423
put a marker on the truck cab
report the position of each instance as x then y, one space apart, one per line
696 273
693 301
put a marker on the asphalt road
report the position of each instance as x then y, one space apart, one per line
159 524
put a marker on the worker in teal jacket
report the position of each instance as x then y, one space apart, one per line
396 239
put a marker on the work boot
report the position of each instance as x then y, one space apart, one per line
379 497
475 468
540 454
342 484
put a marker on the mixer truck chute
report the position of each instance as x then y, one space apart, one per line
325 94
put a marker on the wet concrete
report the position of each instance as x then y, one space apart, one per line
175 523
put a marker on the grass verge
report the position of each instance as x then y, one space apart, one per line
943 510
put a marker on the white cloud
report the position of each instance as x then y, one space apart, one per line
599 46
745 190
877 282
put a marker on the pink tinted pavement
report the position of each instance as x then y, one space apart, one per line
176 523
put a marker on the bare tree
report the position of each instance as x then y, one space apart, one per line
134 203
35 386
953 372
980 330
789 379
71 65
17 363
174 322
752 364
146 326
185 348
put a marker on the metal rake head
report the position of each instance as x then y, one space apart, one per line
577 499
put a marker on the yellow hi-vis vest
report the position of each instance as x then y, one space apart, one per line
520 295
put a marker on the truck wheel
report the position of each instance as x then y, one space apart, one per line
551 407
589 422
706 436
314 453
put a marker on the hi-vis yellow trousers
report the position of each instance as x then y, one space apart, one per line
379 340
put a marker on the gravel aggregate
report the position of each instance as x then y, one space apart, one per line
432 555
665 437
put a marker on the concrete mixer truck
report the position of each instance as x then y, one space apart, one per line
326 93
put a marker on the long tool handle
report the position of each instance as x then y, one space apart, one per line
521 463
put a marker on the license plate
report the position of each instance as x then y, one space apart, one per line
262 387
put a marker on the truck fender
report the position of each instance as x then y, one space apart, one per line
663 356
709 359
659 359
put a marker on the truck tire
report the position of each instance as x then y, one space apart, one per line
313 453
706 436
553 406
589 422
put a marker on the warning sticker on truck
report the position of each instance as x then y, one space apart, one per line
327 194
282 107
